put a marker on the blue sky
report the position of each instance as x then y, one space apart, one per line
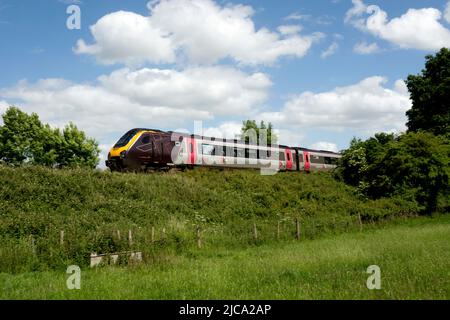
321 71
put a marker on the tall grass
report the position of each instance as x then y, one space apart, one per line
90 206
414 258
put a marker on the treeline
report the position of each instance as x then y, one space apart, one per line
414 165
24 139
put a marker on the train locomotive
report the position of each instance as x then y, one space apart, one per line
143 149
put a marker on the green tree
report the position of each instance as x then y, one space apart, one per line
261 131
24 139
413 166
417 163
430 94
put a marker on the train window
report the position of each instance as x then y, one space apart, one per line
146 139
207 149
268 153
282 157
239 153
126 138
329 160
300 157
228 151
288 157
250 153
317 159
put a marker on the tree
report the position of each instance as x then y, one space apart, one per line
414 166
430 94
24 139
353 166
262 131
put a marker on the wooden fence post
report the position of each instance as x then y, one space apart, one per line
153 234
278 230
360 222
130 238
33 246
61 238
297 229
199 237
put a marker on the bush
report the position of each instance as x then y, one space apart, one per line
414 166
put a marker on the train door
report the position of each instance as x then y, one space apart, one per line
157 147
191 150
307 160
144 148
288 159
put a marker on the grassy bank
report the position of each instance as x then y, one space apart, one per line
414 258
93 207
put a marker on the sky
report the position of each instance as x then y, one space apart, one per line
321 71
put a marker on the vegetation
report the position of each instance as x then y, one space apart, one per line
431 95
24 139
90 206
333 267
261 134
414 165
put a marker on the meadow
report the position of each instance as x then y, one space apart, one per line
250 248
413 256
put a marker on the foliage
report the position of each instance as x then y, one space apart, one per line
262 131
430 93
24 139
91 205
414 166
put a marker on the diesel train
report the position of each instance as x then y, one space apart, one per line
149 149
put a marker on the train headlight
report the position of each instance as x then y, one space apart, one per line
122 154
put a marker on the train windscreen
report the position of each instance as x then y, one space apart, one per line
125 138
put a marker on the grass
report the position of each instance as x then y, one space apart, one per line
414 257
91 206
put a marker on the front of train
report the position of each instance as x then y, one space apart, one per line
117 154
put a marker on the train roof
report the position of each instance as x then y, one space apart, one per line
231 140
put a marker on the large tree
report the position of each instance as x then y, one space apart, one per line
24 139
262 131
430 94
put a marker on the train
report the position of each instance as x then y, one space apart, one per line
142 149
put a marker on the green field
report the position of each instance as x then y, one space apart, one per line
341 234
414 257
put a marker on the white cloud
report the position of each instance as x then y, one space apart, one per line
324 20
447 12
323 145
331 50
289 29
416 29
297 16
367 106
229 130
147 97
129 38
199 30
3 106
366 48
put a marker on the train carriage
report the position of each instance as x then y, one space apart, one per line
142 149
